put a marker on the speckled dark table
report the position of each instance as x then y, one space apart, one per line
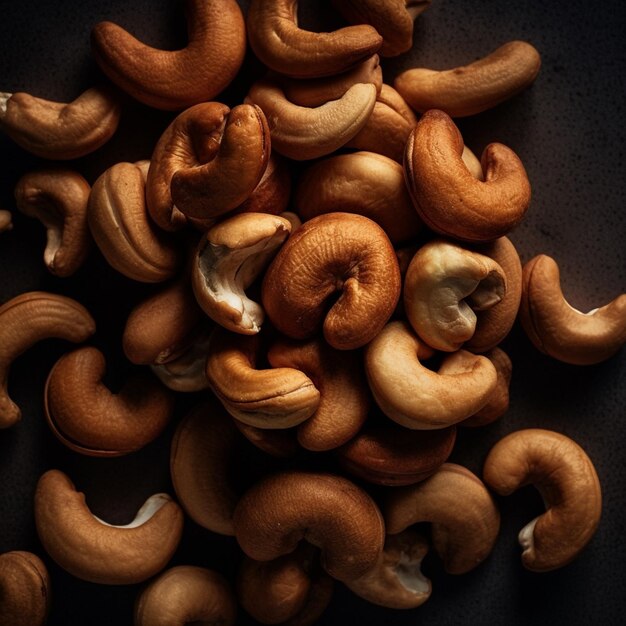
569 131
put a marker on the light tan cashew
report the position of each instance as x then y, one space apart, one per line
88 418
565 477
417 397
302 133
176 79
280 44
464 517
92 550
122 229
59 130
5 221
24 589
444 284
58 198
472 88
560 331
472 163
184 595
228 260
449 199
365 183
27 319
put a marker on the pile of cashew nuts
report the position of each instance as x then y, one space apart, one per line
336 279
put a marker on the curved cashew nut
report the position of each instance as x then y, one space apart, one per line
564 475
448 197
58 198
464 517
27 319
176 79
5 221
93 550
59 130
272 193
24 589
475 87
278 42
419 398
184 595
560 331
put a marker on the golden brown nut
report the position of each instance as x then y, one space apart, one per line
272 193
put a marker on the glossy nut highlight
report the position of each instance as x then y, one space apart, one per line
449 199
560 331
475 87
176 79
58 130
334 254
93 550
27 319
564 475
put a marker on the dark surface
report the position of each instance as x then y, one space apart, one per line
568 130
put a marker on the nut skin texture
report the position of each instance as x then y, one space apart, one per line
560 331
174 80
94 551
27 319
566 478
476 87
24 589
333 253
186 594
273 192
58 130
449 199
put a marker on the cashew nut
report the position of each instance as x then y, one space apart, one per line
272 193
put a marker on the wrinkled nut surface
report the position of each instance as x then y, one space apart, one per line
280 44
58 198
95 551
560 331
176 79
475 87
464 517
229 258
567 481
273 192
27 319
24 589
337 271
186 595
328 511
444 284
88 418
59 130
449 199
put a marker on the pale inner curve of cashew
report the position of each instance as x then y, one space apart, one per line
410 575
146 512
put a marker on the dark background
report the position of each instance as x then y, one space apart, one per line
568 130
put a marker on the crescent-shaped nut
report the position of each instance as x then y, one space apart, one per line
328 511
340 379
59 130
449 199
267 398
89 419
186 594
5 221
277 41
229 258
475 87
443 285
335 253
465 520
121 227
93 550
24 589
27 319
58 198
177 79
302 133
566 478
560 331
364 183
417 397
